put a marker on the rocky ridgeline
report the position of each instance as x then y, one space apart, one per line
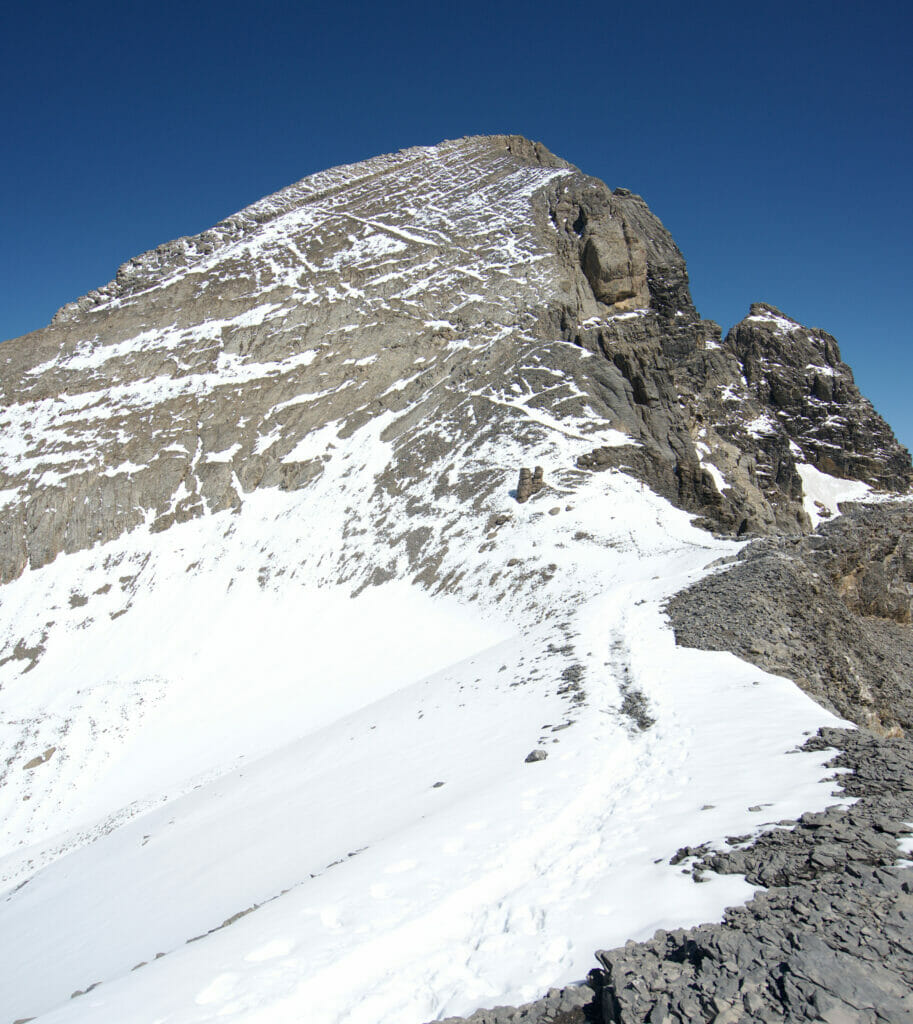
751 417
831 611
435 288
797 373
831 938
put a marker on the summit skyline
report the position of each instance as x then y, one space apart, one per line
775 145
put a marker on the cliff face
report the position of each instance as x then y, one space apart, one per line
798 374
414 287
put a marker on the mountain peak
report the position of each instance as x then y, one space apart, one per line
353 293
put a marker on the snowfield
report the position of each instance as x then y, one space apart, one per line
290 800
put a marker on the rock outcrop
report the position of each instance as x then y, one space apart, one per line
722 430
798 374
830 611
529 483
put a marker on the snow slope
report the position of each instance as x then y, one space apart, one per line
233 742
822 493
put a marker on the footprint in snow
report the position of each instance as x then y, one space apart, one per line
401 866
269 951
219 989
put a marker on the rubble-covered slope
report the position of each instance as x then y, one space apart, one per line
830 611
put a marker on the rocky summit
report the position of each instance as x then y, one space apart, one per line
344 549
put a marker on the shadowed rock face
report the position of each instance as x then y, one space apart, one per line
615 265
417 287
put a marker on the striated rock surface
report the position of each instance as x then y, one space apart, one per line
436 280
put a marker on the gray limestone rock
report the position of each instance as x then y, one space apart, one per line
797 373
572 1004
529 483
830 611
524 485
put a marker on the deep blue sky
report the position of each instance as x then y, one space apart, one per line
774 140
